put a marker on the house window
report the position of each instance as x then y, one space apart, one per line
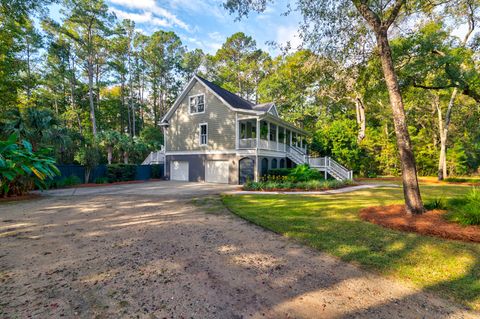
288 137
197 104
273 132
203 134
248 129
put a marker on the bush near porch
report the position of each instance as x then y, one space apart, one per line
301 177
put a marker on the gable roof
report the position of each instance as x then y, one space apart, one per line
231 100
234 100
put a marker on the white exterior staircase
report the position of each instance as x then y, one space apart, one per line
324 164
157 157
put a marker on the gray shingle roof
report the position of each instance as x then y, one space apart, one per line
235 100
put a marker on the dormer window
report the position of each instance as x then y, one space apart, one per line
197 103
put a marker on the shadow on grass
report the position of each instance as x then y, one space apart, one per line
331 224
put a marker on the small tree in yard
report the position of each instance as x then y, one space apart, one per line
126 146
345 27
109 139
89 157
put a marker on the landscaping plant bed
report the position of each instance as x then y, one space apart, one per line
19 197
301 189
111 184
431 223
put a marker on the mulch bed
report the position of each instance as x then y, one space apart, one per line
431 223
114 183
18 198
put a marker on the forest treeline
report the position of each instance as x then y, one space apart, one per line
92 79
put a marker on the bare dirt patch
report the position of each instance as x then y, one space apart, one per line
150 256
431 223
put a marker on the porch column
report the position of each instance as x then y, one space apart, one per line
276 137
237 135
291 136
268 136
257 133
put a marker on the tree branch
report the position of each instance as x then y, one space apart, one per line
395 11
367 13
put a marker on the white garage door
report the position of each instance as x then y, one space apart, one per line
179 171
216 172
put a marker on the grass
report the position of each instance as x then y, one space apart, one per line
466 209
330 223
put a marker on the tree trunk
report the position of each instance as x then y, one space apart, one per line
444 129
125 157
72 96
87 174
109 154
360 109
90 97
411 189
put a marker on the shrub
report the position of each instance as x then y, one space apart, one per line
22 169
436 203
121 172
466 210
303 173
157 171
289 185
462 180
279 172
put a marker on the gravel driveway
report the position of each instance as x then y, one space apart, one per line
170 250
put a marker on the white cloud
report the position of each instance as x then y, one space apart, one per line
212 7
149 6
217 36
289 34
137 17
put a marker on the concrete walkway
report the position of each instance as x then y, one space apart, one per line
327 192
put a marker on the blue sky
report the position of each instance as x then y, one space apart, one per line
205 24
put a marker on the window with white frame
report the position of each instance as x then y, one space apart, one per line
197 103
203 128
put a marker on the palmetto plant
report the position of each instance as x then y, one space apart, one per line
21 168
109 139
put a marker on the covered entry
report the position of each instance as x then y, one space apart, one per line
246 168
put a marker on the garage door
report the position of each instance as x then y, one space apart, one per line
216 172
179 171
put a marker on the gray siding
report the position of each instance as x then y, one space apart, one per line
183 131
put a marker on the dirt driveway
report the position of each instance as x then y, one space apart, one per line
134 251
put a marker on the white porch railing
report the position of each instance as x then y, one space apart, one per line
157 157
299 156
330 166
247 143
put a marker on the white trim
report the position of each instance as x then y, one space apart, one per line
230 152
236 132
200 134
204 104
275 108
201 152
188 88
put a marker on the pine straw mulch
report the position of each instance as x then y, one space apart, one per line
431 223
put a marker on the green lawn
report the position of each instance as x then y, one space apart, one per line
330 223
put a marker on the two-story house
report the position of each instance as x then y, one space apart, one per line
213 135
